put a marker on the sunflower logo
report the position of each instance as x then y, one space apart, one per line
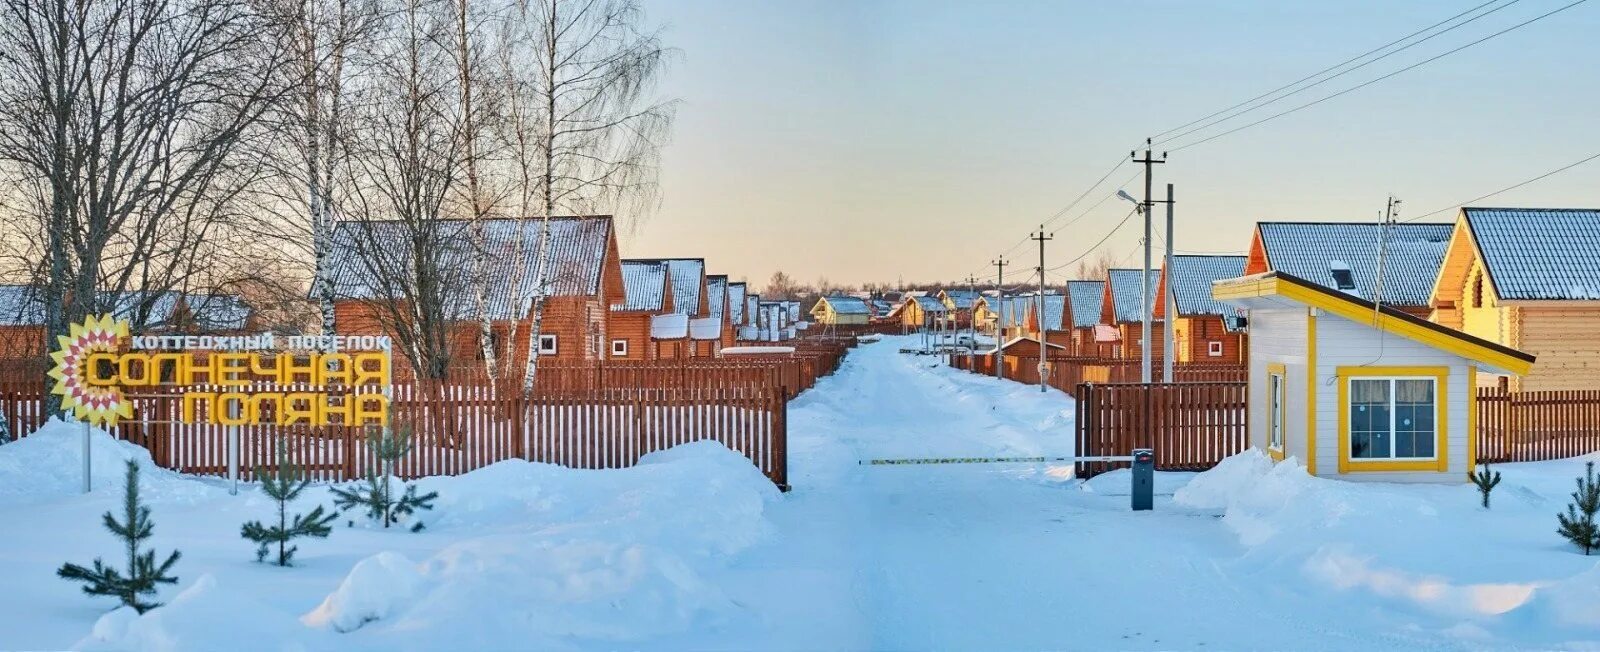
100 406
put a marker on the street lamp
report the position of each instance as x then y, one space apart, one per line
1137 205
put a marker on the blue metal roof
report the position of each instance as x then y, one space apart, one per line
687 273
847 305
717 285
1055 305
963 299
1308 249
736 303
644 283
21 305
1190 280
930 304
1539 253
1086 297
1127 293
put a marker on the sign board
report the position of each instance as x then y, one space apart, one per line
224 380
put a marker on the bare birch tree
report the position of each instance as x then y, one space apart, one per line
120 121
593 69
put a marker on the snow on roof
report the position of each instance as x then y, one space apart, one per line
756 350
1539 253
736 303
1413 255
670 326
1106 333
1054 306
644 284
747 333
142 308
1190 277
1127 293
705 328
1086 297
218 312
717 285
752 309
962 299
687 274
21 305
847 305
929 304
363 250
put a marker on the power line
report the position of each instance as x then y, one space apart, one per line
1319 82
1379 79
1509 188
1096 246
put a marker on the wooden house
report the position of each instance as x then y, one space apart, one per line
714 327
1203 329
1358 391
1344 256
880 308
1529 279
1122 307
691 299
917 312
1004 316
647 290
1084 302
22 327
1051 324
840 309
584 279
958 306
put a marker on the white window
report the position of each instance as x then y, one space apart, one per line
547 344
1393 418
619 348
1214 349
1275 403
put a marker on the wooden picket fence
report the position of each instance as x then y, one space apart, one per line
1533 426
1191 426
1068 373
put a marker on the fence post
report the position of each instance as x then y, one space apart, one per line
780 442
1085 425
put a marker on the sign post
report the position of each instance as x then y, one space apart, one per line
88 484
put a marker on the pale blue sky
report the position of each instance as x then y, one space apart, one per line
872 141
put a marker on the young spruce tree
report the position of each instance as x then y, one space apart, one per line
377 496
1486 482
1578 524
143 574
284 484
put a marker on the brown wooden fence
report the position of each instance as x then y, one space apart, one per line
1191 426
1067 373
1532 426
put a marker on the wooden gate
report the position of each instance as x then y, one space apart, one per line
1191 426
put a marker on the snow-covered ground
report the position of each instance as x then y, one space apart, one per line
695 550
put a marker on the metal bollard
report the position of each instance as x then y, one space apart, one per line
1144 479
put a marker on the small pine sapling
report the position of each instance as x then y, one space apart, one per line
1485 481
1578 524
284 484
377 495
143 573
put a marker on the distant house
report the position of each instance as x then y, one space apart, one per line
1005 315
647 289
1122 308
880 307
584 279
1359 391
1051 324
1344 256
737 293
21 321
1084 301
919 312
721 309
1529 279
841 309
958 305
1203 329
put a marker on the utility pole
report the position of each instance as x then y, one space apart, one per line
1000 299
1167 352
1041 238
1391 210
1149 304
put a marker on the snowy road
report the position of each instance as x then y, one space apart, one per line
1002 556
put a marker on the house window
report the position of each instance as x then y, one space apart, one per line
1214 349
547 344
619 348
1275 407
1393 418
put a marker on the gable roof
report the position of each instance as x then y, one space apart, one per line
847 305
1084 302
1124 296
717 285
687 274
736 303
644 285
142 308
1279 289
1306 250
575 263
218 312
930 304
21 305
961 299
1009 310
1055 306
1535 254
1190 277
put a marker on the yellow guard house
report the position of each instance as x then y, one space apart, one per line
1528 278
1356 391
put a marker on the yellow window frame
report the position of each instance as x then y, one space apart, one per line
1441 449
1282 372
